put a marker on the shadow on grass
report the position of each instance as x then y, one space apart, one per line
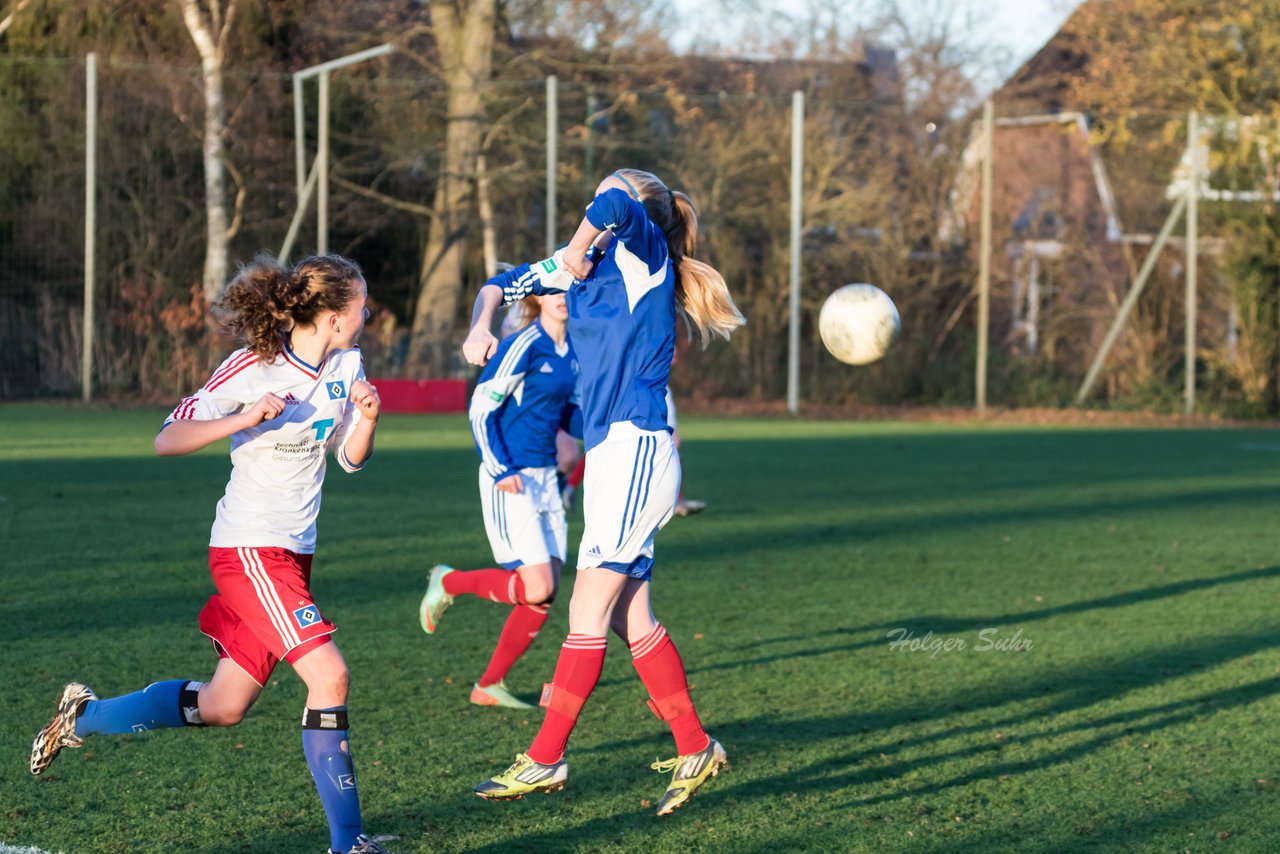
1064 693
920 625
1210 815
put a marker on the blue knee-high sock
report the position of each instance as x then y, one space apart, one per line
324 741
161 705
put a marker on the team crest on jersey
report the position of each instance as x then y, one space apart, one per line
337 389
306 616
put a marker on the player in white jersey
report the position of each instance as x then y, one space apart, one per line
623 297
295 393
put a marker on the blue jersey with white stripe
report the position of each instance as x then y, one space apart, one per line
525 394
622 316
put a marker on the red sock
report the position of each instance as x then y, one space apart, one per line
499 585
577 671
579 471
662 672
522 626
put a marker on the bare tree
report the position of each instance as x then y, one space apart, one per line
210 29
464 32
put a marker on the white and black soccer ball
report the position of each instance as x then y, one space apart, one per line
858 324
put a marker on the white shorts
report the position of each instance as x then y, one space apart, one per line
630 489
528 528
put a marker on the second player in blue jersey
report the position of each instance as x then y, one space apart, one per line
525 396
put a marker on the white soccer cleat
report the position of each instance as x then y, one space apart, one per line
435 601
689 506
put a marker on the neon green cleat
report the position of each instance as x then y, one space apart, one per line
497 695
523 778
690 773
436 600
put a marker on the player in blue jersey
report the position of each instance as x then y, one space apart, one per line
524 398
294 393
627 271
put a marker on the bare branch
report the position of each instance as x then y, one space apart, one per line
8 19
390 201
241 193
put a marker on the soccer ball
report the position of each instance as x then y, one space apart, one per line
858 323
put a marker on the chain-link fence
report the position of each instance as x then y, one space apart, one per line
1076 204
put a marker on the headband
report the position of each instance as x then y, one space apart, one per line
630 189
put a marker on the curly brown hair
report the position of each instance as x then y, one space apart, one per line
266 299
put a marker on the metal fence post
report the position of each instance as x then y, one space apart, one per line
322 167
1193 193
984 261
553 121
90 218
797 185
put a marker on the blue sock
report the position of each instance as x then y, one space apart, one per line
324 741
161 705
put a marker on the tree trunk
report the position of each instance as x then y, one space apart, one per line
209 32
464 36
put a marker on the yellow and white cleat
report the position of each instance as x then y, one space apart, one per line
690 773
523 778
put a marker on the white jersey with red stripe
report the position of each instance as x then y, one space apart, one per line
277 467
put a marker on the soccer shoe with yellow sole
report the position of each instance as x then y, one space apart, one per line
523 778
60 732
497 695
436 600
690 773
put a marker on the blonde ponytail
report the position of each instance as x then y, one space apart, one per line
703 295
701 292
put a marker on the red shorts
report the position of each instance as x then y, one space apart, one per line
262 611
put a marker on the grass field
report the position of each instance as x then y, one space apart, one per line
1141 566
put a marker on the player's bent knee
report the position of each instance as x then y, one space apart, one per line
223 715
539 586
340 682
540 593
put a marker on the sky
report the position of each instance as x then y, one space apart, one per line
1013 29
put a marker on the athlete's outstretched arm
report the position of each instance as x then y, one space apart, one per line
184 437
544 277
480 343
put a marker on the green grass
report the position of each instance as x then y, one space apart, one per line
1141 565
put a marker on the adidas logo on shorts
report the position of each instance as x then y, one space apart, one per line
594 552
